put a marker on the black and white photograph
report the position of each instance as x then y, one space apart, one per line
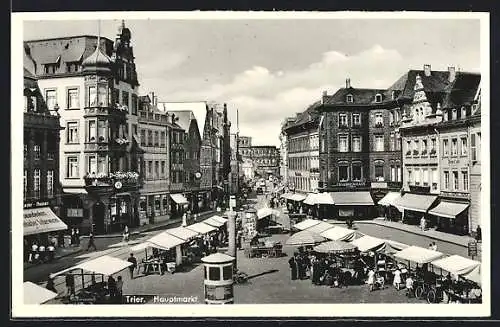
195 164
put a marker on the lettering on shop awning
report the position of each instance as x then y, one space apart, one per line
41 220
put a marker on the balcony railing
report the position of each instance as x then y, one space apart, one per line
415 152
432 152
129 178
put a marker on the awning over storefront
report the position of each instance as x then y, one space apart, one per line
339 234
369 243
265 212
415 202
34 294
456 265
320 228
389 198
41 220
352 198
105 265
201 228
179 198
449 209
306 224
78 190
418 255
182 233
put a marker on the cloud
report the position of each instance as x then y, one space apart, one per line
265 98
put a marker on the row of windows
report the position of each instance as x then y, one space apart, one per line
37 153
265 161
350 98
421 146
303 143
177 157
357 145
95 95
354 172
306 184
303 163
153 138
96 130
36 186
459 182
94 164
423 177
156 169
453 146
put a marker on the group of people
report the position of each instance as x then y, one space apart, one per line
40 252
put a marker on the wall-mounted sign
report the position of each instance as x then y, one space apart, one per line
197 175
453 161
118 185
74 213
36 204
379 185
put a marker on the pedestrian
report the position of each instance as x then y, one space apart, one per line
119 288
77 236
409 286
478 233
51 252
397 279
91 243
125 234
73 238
293 267
434 246
60 240
34 252
371 279
431 247
41 252
131 268
112 287
422 223
50 285
184 220
316 271
70 284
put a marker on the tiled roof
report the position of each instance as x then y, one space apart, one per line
28 74
463 90
404 86
308 115
184 120
360 96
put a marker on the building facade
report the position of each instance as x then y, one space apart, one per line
302 150
360 148
266 159
177 140
153 133
91 81
41 187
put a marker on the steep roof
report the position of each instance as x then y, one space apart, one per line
197 108
184 118
360 96
463 90
308 115
437 82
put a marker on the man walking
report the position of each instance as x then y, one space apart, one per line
91 243
131 268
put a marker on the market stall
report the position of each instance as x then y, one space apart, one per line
304 238
457 266
306 224
35 294
342 260
340 234
320 228
201 228
166 253
93 289
214 222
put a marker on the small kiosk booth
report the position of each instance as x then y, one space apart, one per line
218 279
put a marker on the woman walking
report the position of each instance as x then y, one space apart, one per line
397 279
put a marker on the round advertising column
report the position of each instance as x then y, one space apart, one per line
218 279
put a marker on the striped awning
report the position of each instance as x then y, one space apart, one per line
449 209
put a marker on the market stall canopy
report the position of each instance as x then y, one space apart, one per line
339 234
213 222
307 223
456 265
324 198
105 265
41 220
474 275
165 241
141 246
352 198
418 255
310 199
219 218
35 294
449 209
320 228
335 247
265 212
369 243
286 195
201 228
415 202
297 197
182 233
179 198
393 247
305 238
389 199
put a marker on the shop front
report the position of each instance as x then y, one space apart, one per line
452 217
415 206
387 208
40 226
353 205
178 205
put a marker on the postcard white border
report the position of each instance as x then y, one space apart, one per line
20 310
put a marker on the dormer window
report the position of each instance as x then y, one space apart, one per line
463 113
378 98
454 114
350 98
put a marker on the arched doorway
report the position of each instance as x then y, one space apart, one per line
99 212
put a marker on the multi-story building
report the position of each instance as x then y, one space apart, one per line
475 164
302 137
192 147
360 157
284 150
41 187
91 80
266 159
153 132
177 139
435 130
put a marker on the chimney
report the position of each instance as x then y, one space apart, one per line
427 70
173 118
325 93
155 100
347 83
452 73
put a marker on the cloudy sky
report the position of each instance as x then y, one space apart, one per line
272 69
